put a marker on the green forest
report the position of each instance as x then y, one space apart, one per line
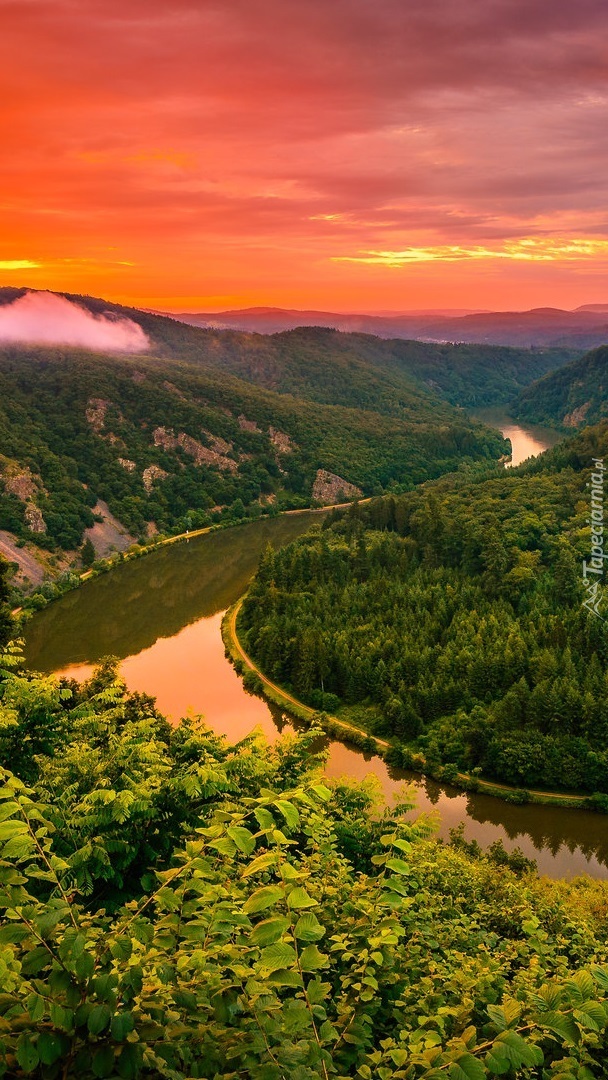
172 906
211 426
335 368
450 620
571 397
83 427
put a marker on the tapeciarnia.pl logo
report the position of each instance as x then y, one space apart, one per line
593 571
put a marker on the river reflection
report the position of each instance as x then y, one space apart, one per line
161 616
527 440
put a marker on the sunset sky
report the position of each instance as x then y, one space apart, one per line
367 155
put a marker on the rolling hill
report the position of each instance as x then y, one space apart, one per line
572 397
340 368
209 425
166 445
583 328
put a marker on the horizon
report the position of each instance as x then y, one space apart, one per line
452 312
345 159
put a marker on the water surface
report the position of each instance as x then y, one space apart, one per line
527 440
161 617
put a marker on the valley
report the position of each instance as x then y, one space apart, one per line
168 640
303 601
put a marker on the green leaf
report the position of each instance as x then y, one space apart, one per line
35 961
467 1067
289 812
496 1060
27 1054
285 977
262 898
13 933
35 1007
398 866
308 928
591 1015
48 1047
263 862
99 1018
122 1024
186 999
225 846
600 974
584 984
277 956
103 1061
62 1018
121 948
269 931
403 845
517 1050
299 898
311 959
290 872
264 818
242 838
9 829
317 991
323 793
19 847
128 1062
563 1026
7 810
506 1015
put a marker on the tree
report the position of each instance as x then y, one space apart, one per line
87 554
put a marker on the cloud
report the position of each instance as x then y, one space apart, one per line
18 264
209 148
44 318
532 249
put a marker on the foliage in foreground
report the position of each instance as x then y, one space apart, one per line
175 907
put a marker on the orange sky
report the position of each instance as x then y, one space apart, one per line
338 154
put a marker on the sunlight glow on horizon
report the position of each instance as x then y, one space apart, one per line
330 157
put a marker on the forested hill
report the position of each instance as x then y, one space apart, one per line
571 397
331 367
451 620
171 446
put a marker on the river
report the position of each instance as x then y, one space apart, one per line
161 616
527 440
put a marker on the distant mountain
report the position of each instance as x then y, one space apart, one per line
540 326
271 320
583 328
393 376
573 397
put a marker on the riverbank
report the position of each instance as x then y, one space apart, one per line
54 589
255 680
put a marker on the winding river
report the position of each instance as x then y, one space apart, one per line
161 616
